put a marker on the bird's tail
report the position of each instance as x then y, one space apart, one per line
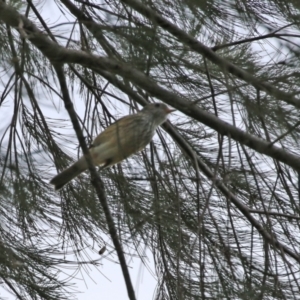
68 174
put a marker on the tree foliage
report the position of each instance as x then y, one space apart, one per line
214 198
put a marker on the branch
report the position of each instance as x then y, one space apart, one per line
92 26
95 179
180 141
273 213
227 193
207 52
272 34
59 54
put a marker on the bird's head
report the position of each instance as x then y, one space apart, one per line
158 111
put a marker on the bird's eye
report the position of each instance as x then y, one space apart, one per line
157 104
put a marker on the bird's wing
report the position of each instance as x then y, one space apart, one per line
110 134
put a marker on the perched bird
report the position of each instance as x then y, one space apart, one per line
118 141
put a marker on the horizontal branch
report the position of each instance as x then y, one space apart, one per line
59 54
273 213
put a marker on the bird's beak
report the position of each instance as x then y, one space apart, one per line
169 110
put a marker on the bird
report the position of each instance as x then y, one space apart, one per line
125 137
